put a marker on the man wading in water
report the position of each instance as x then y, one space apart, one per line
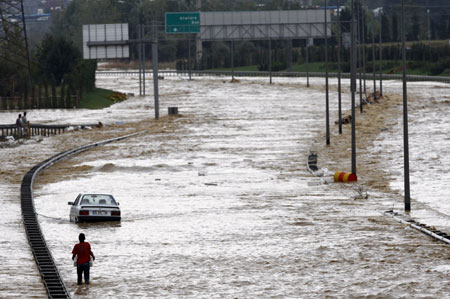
83 253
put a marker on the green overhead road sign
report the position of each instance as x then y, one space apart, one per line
182 22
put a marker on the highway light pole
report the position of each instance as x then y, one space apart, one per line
363 41
353 84
381 54
327 95
307 62
405 117
155 66
339 67
141 46
360 55
374 62
141 41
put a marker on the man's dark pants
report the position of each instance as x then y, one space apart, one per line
83 268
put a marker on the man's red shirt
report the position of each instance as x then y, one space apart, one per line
83 252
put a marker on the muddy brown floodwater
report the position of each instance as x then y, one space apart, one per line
217 202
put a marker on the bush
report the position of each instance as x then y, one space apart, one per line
117 97
276 66
438 67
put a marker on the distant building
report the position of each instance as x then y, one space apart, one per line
38 17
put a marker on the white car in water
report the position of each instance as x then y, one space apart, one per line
93 208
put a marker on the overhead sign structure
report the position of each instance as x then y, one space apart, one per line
250 25
257 25
105 41
182 22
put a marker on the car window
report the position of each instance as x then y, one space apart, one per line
77 200
98 199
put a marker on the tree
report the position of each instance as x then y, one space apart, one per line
245 52
385 28
56 58
395 29
443 26
414 31
12 79
346 18
68 23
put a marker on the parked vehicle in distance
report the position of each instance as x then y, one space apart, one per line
94 208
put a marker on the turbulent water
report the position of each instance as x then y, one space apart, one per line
217 202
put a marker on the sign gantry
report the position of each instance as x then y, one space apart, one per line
105 41
250 25
183 22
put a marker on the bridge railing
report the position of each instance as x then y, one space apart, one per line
38 129
369 76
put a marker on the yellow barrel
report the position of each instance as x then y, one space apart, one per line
345 177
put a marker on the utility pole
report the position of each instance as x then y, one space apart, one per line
189 57
353 84
232 59
405 117
381 54
327 96
374 63
428 22
360 49
363 41
143 58
155 66
270 60
307 62
198 41
140 38
339 32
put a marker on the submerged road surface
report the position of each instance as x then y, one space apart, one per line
217 202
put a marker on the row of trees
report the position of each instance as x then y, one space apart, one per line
423 21
432 58
58 69
60 65
58 75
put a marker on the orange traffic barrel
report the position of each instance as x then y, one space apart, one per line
344 177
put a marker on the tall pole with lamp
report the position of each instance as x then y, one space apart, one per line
381 53
141 46
339 66
353 85
327 100
405 117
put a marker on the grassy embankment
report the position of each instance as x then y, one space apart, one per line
389 66
320 67
100 98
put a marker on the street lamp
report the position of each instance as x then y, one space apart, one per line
141 46
326 77
339 66
405 117
353 84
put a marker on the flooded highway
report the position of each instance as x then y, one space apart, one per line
217 202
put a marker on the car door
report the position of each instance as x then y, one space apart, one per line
74 209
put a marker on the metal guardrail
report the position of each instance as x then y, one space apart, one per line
428 230
49 272
38 129
369 76
38 102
